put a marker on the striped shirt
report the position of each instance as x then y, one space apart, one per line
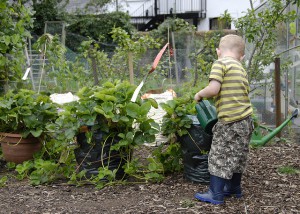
232 102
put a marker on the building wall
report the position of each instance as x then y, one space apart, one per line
131 5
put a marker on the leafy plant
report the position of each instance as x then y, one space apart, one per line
56 67
39 171
108 107
51 10
3 181
130 47
169 157
206 55
123 125
26 112
176 121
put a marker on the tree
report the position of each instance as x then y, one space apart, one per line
98 6
47 10
95 26
15 24
260 29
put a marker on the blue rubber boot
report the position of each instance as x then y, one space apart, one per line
215 193
233 186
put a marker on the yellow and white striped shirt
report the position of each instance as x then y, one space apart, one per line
232 102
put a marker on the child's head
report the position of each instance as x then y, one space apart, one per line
231 45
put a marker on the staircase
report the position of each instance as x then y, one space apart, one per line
153 12
38 75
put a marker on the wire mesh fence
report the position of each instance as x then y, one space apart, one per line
177 67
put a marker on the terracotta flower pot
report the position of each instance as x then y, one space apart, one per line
17 149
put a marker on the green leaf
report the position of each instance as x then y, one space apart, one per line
145 108
36 133
153 102
121 135
99 110
51 127
152 166
6 40
107 107
172 103
129 135
3 181
153 176
145 126
124 119
132 110
121 143
15 38
108 85
155 125
69 133
116 118
293 28
167 108
105 97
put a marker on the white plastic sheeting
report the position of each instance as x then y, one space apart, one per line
157 114
63 98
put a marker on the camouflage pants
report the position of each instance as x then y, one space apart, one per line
230 148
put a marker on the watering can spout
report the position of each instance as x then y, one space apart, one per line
273 133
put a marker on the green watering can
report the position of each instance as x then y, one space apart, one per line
207 116
258 139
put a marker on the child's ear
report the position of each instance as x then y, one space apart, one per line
218 52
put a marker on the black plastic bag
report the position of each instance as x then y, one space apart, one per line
91 157
195 147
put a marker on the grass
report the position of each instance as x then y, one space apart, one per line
288 170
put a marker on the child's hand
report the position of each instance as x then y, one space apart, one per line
198 97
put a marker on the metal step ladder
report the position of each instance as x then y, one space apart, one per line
39 74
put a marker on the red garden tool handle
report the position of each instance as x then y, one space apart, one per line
154 65
157 58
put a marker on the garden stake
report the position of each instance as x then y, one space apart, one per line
156 60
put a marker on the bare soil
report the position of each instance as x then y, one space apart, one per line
265 191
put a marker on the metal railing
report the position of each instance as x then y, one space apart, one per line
163 7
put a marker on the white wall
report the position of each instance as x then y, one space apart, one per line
257 3
236 8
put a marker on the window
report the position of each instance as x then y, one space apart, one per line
217 24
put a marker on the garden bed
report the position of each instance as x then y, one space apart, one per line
265 191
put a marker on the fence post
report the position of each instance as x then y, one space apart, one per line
130 65
277 94
175 59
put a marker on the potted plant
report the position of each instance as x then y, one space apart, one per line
24 116
106 126
187 137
